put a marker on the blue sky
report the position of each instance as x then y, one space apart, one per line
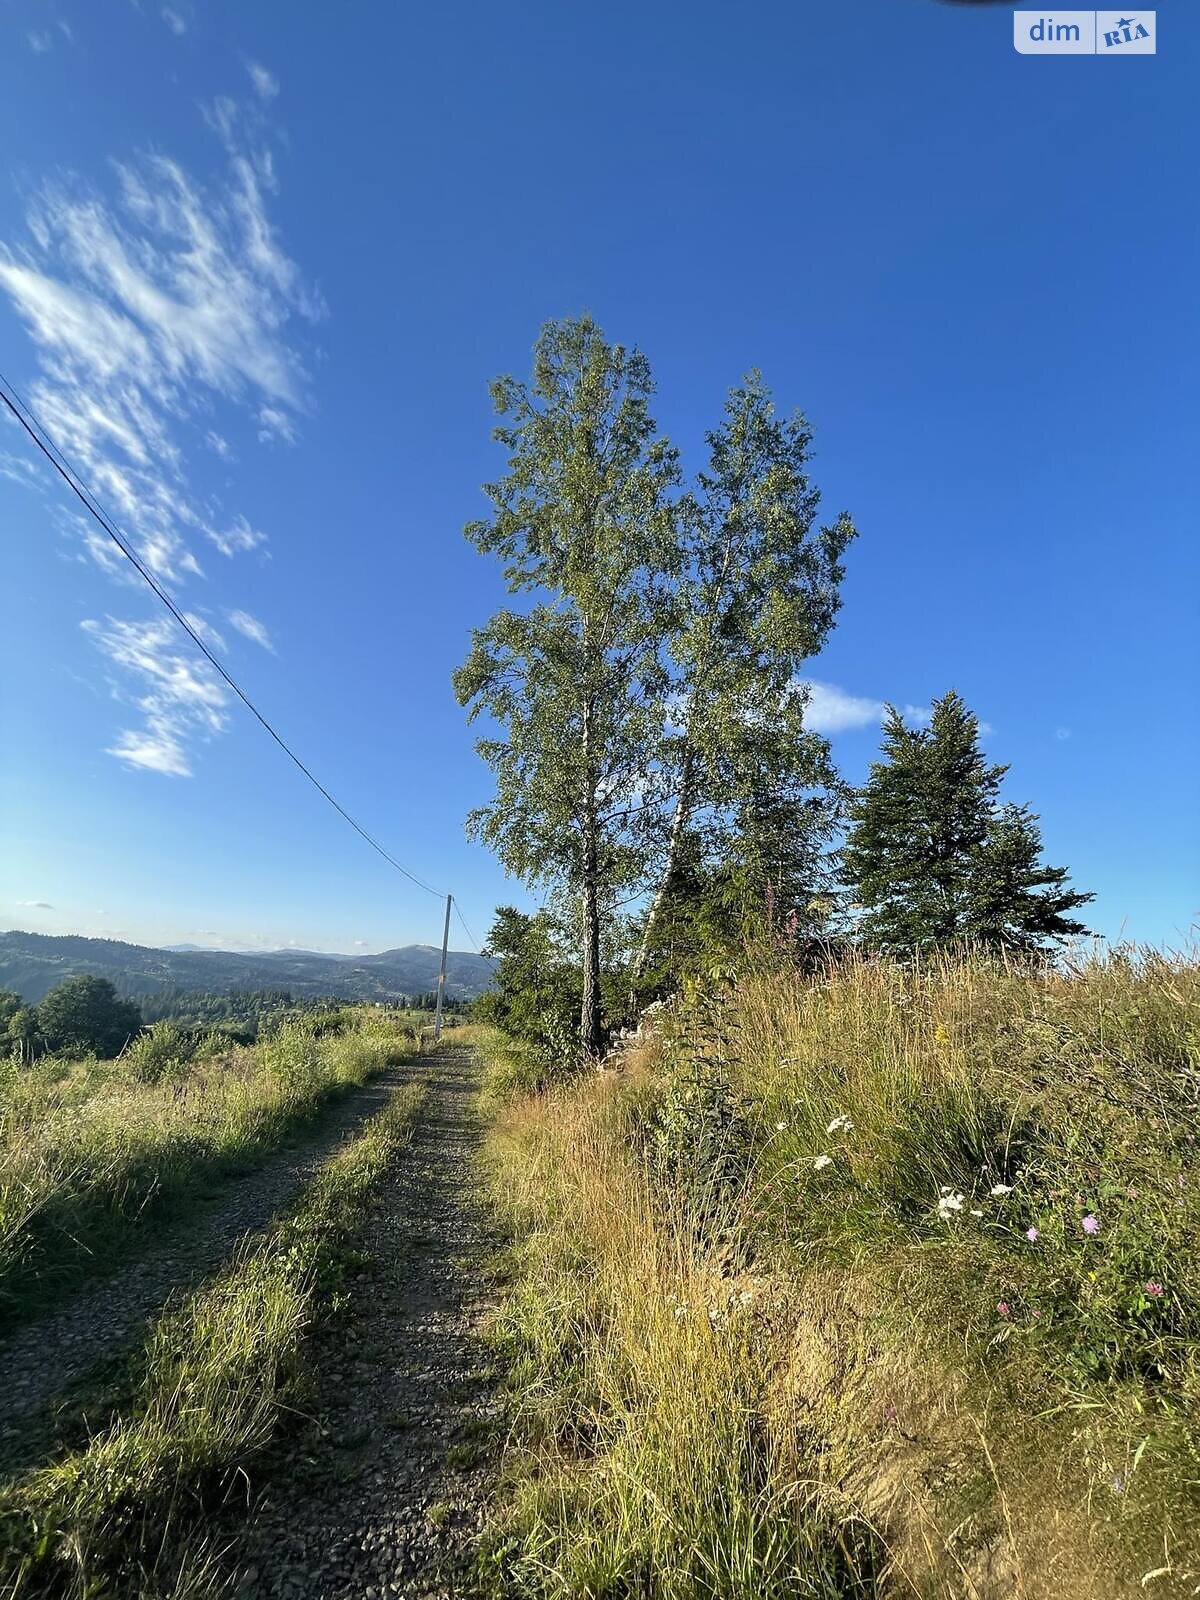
258 263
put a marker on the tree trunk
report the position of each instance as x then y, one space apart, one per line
590 1021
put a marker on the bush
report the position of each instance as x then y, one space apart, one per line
159 1053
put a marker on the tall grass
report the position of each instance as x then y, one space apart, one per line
88 1147
881 1282
217 1375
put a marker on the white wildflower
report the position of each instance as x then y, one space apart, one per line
976 1213
999 1190
822 1162
780 1126
951 1202
842 1124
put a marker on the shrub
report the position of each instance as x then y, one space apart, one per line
160 1052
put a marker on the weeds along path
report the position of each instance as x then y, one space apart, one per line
42 1360
381 1489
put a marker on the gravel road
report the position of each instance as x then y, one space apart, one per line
381 1490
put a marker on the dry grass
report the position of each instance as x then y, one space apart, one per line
744 1370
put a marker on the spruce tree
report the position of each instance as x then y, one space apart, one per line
933 858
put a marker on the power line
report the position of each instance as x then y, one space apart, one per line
474 941
67 473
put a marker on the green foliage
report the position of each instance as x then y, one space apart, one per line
85 1013
752 789
933 859
536 994
160 1052
576 681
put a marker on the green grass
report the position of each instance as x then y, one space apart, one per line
119 1514
776 1323
88 1149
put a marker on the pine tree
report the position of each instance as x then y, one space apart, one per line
1016 900
932 857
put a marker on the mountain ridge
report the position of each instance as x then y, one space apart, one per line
33 963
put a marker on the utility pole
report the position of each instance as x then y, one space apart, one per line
437 1021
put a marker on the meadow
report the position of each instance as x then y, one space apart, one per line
880 1281
90 1149
218 1374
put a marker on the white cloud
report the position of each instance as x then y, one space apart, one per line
36 905
834 710
276 424
174 20
40 42
1062 733
180 695
146 307
251 627
266 85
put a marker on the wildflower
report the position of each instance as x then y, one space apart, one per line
780 1126
1154 1289
975 1213
745 1297
1132 1192
1118 1484
950 1202
1090 1224
999 1190
822 1162
1003 1307
842 1124
1032 1235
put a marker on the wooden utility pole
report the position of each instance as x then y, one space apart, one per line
441 995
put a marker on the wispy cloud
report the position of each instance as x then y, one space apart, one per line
834 710
180 696
36 905
175 20
251 627
40 40
148 306
266 85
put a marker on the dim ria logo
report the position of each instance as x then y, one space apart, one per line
1084 33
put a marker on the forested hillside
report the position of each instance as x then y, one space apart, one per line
33 963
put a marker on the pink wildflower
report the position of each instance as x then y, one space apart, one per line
1003 1307
1090 1224
1032 1235
1154 1290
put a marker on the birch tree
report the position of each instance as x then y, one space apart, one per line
575 683
758 594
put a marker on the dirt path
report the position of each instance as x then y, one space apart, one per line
42 1359
381 1490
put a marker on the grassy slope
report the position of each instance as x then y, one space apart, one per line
124 1513
756 1357
86 1148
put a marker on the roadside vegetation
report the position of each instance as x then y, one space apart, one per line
90 1147
217 1375
880 1280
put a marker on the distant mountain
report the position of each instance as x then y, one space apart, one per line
32 963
